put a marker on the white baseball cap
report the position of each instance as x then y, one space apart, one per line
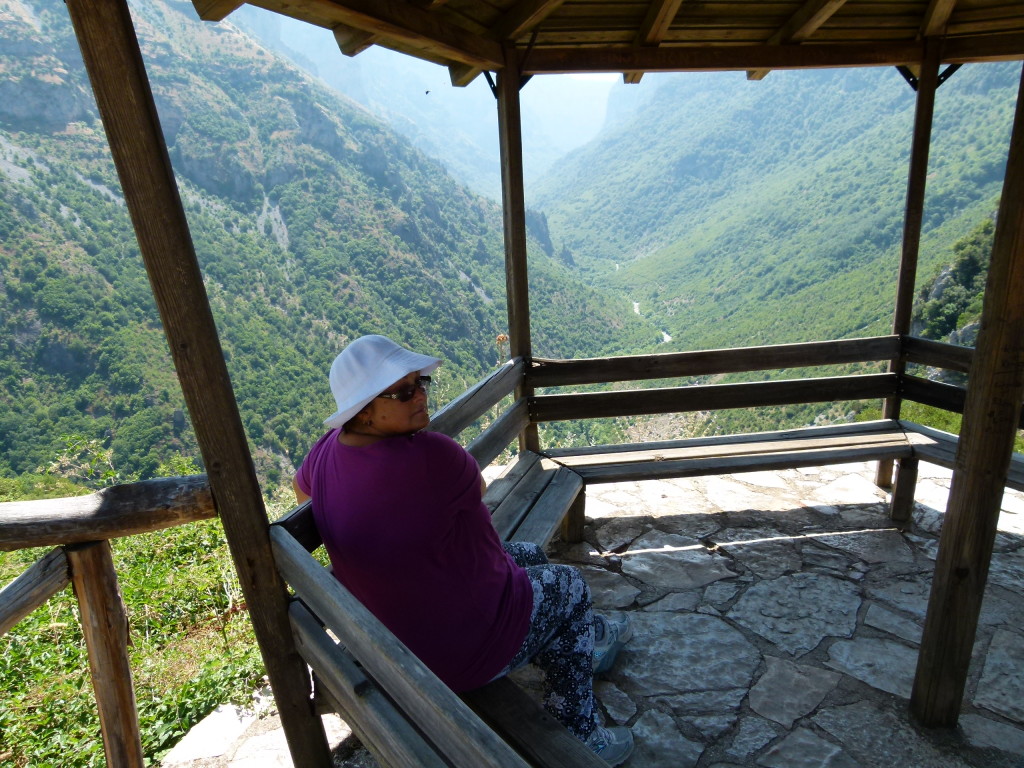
365 368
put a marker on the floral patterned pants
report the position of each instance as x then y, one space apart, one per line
560 640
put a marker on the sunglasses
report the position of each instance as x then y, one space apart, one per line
408 392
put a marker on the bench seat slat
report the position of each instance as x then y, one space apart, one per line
890 426
547 513
519 501
528 728
610 473
365 708
882 442
940 448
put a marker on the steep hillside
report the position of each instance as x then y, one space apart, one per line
764 212
313 223
458 126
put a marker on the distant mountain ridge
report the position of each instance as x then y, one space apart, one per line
766 212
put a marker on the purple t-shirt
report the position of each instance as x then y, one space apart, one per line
408 534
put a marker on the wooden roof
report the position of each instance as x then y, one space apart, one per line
636 36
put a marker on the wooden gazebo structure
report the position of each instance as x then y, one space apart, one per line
516 39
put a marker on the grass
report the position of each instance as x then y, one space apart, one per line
192 649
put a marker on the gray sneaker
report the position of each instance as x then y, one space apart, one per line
613 745
609 637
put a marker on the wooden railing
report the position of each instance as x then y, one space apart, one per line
80 528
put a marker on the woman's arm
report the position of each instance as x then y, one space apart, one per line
300 496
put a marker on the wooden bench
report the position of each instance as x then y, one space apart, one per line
394 704
810 446
903 441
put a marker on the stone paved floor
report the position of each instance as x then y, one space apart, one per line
777 617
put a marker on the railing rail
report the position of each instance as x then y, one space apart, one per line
603 370
121 510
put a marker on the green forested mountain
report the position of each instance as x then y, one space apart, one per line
313 223
771 211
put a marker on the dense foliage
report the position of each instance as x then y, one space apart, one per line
313 224
768 212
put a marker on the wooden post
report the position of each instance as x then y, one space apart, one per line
105 628
510 135
114 63
991 413
917 180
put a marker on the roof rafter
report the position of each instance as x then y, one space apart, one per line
393 23
801 25
660 14
937 17
353 41
523 17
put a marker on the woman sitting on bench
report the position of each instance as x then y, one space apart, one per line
401 515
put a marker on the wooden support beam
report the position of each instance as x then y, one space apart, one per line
912 218
462 75
804 23
513 196
105 629
114 63
984 452
352 41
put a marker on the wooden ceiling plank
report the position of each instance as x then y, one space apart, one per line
937 17
801 25
353 41
401 23
523 17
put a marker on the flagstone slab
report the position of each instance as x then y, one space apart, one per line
787 691
1001 689
676 602
619 531
797 612
882 618
684 653
1007 571
619 705
985 732
805 749
909 595
848 489
753 734
609 589
731 495
765 552
660 744
673 562
876 738
872 546
887 665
